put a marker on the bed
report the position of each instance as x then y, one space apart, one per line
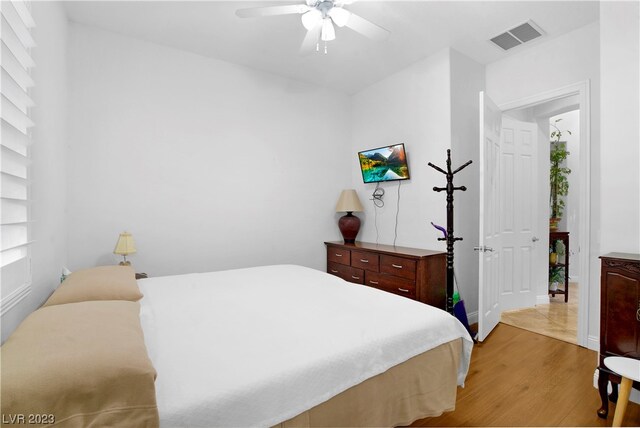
266 346
295 346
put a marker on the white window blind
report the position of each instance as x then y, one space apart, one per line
15 137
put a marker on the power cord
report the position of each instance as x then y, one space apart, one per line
376 197
397 213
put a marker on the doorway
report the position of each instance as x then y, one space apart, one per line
556 316
540 110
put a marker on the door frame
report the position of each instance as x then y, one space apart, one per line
582 90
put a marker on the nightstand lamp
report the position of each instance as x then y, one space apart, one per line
349 224
124 247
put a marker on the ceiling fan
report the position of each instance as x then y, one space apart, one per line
319 18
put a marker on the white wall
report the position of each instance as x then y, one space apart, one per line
620 150
209 165
430 106
410 107
467 80
49 252
605 52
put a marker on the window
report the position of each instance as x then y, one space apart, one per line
15 138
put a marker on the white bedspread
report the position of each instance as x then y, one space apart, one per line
257 346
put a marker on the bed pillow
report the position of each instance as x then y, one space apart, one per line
98 283
80 364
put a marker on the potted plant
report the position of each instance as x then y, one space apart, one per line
556 277
558 173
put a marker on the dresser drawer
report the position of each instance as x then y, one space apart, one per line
398 266
365 260
339 255
392 284
346 272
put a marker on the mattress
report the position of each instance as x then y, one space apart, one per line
259 346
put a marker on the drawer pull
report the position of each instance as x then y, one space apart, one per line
638 313
364 261
374 282
404 290
334 271
397 266
338 255
355 277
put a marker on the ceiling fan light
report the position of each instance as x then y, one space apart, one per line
311 19
328 32
339 16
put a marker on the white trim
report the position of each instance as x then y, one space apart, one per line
593 343
15 297
582 90
472 317
543 299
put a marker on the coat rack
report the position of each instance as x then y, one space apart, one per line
450 238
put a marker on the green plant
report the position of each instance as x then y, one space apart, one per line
558 172
556 274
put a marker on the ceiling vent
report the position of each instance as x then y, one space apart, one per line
518 35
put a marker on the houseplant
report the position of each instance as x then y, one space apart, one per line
556 277
558 182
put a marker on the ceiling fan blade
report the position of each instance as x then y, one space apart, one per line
367 28
341 3
272 10
310 41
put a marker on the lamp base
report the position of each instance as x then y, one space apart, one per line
349 227
126 263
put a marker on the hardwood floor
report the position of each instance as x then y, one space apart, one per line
555 319
520 378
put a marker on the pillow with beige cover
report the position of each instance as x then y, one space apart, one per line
81 364
98 283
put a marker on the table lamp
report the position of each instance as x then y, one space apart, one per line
349 224
124 247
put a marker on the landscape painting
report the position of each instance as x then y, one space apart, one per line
384 164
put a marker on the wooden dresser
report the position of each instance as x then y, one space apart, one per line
619 317
411 272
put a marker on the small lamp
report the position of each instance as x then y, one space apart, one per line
124 247
349 224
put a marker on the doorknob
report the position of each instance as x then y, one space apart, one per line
488 249
535 239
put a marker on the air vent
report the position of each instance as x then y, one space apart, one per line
518 35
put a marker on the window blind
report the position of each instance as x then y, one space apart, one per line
15 137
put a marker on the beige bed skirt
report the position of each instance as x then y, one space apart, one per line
424 386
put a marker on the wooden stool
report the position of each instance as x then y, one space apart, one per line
629 371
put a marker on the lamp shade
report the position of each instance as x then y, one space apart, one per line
349 202
125 244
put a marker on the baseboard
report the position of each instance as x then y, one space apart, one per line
542 299
634 396
593 343
13 298
472 317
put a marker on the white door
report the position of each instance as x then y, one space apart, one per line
518 213
489 239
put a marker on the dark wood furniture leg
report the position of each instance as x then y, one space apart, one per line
566 268
603 382
613 397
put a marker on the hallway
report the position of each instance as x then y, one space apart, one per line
556 319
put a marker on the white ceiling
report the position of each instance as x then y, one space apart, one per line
418 29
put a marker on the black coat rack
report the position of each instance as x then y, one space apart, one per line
450 238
